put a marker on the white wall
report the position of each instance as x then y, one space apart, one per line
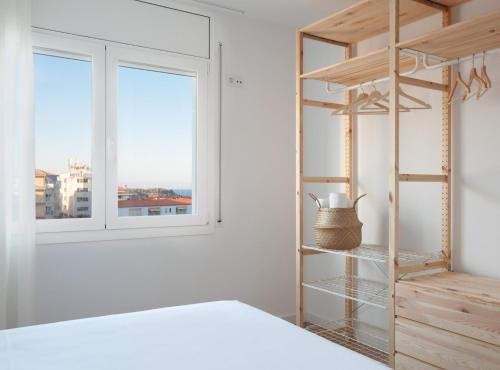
249 257
476 176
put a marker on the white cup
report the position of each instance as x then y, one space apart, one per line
339 200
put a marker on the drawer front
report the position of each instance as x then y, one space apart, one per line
404 362
444 349
466 316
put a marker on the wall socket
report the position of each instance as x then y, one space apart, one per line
235 81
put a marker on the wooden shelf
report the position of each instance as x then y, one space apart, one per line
369 18
461 39
361 69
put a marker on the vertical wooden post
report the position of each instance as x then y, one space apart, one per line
299 222
394 175
446 160
351 185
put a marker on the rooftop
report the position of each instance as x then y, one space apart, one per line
41 173
152 202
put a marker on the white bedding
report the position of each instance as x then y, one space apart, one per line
210 336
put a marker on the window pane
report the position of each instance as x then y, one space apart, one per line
63 124
156 119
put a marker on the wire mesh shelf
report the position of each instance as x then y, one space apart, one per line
354 288
355 335
378 253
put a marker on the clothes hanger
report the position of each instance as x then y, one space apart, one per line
385 98
349 108
364 101
458 81
372 103
484 73
474 77
346 109
420 103
485 78
375 104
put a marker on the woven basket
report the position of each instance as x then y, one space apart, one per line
338 228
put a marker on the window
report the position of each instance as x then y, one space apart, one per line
154 211
155 99
69 132
63 123
154 108
120 135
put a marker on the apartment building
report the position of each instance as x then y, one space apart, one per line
76 190
40 193
47 195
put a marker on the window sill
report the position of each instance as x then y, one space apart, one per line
44 238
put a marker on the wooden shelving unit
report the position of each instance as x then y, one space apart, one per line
343 29
369 18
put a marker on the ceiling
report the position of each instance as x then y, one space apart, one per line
293 13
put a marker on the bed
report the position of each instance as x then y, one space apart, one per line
210 336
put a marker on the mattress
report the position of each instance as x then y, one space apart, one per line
226 335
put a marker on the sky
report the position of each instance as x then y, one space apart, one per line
155 122
63 106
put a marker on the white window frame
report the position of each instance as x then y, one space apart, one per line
102 226
95 53
156 61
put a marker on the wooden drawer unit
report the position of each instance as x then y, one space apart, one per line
444 349
461 303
